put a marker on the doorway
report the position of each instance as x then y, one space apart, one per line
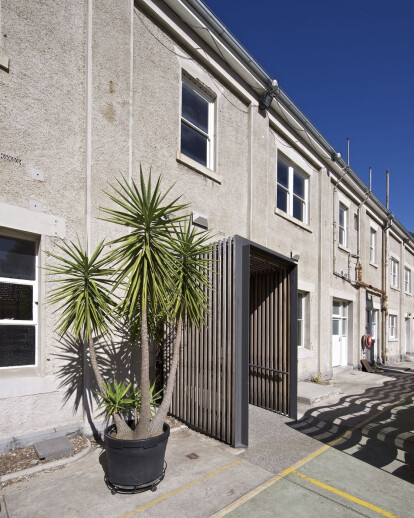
339 333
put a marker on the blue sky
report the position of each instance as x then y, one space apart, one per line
349 66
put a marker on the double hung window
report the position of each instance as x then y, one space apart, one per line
394 273
393 326
343 225
197 123
18 301
372 245
292 191
407 280
301 318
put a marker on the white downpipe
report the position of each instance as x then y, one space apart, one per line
250 174
88 124
131 92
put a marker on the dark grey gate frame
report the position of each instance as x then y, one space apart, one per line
243 248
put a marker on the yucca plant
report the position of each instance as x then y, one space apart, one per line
144 262
84 298
161 262
189 298
160 269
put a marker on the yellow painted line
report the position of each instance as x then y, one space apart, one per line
273 480
179 489
268 483
349 497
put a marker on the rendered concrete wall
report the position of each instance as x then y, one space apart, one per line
93 92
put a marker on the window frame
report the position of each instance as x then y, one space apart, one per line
394 273
35 302
372 246
392 326
407 281
292 169
210 135
302 321
343 237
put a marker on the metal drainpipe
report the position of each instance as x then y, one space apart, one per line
384 305
335 199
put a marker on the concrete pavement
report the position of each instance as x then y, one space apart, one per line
318 466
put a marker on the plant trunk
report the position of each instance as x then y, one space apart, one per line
95 368
159 418
123 431
142 431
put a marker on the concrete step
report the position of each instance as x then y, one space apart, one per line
310 393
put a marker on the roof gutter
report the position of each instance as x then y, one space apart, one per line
263 77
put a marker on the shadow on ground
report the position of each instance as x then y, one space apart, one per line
376 426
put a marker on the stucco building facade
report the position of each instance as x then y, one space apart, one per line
91 90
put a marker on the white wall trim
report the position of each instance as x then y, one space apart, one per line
18 218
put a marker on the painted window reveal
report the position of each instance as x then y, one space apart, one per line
372 245
197 122
407 280
394 273
393 326
343 225
292 190
18 302
303 319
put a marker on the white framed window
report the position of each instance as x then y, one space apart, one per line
18 301
394 273
372 245
197 124
393 326
292 190
301 319
343 225
407 280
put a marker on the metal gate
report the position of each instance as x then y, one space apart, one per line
269 351
212 387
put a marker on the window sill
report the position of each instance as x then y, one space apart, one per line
374 265
409 294
303 352
205 171
395 288
344 248
293 220
393 339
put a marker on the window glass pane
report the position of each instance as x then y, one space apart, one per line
336 307
298 209
193 144
17 346
300 338
344 327
298 185
281 199
194 108
300 305
16 301
341 236
17 258
283 174
341 217
335 327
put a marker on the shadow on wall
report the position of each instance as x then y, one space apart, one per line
376 439
117 360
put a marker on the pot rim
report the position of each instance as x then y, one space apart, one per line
133 443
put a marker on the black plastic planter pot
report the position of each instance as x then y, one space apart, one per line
135 465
